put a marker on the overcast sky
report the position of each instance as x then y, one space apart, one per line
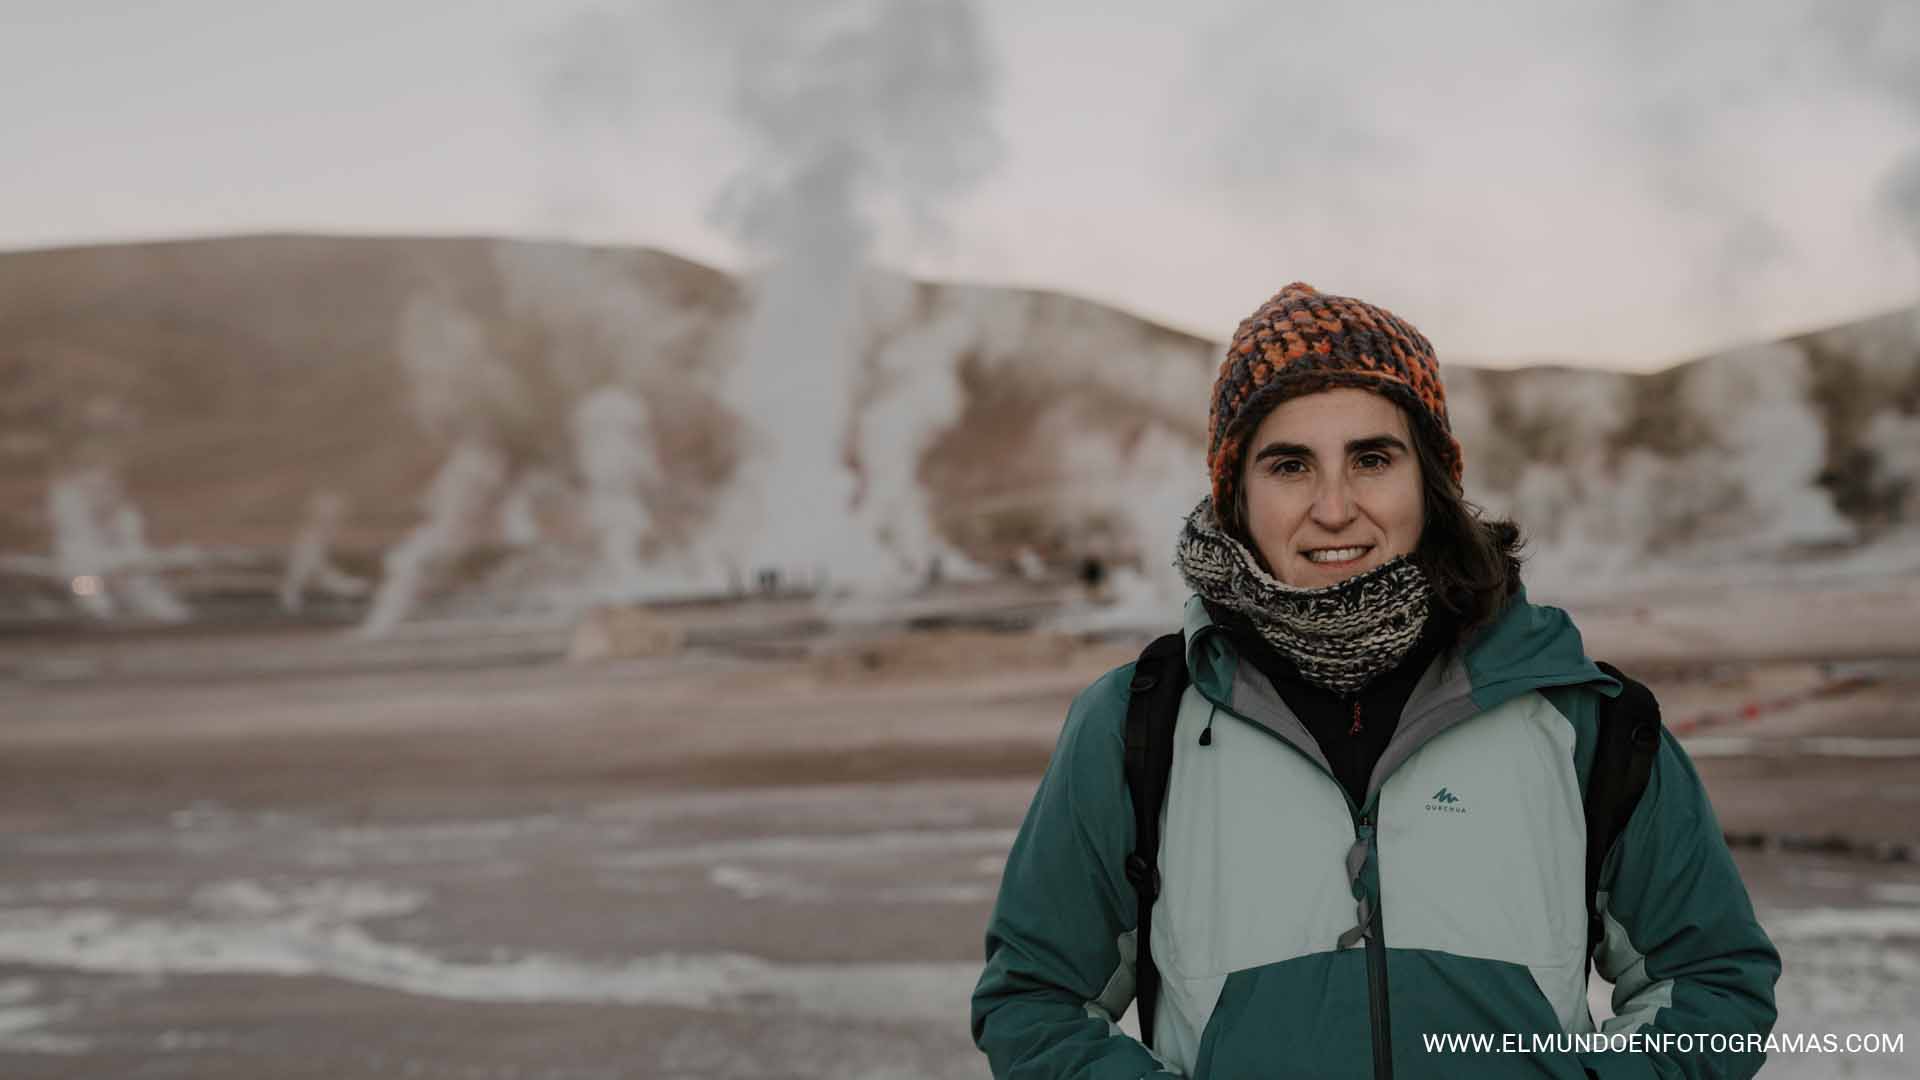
1621 182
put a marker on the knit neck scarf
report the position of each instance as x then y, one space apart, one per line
1340 636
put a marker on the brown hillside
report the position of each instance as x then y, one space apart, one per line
228 378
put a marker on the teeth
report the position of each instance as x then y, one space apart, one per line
1336 554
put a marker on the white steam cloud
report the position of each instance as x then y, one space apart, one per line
461 508
549 421
100 547
1730 478
614 449
310 563
915 396
857 115
854 109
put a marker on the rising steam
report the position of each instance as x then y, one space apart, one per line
100 547
860 120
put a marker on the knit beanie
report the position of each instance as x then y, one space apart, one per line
1301 342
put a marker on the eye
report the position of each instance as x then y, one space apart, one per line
1282 466
1373 461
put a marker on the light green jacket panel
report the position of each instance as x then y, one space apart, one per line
1482 838
1480 834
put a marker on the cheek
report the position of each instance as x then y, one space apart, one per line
1271 522
1410 513
1263 507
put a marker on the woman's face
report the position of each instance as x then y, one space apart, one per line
1332 474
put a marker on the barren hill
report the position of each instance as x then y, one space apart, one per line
214 387
225 379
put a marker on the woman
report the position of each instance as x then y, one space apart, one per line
1376 712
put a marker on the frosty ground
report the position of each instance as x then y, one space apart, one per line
281 853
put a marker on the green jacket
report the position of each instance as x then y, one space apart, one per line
1471 844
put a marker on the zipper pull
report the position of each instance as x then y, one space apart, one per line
1355 729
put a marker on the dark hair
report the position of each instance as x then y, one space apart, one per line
1472 564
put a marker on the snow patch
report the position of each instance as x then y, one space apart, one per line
318 944
851 846
319 902
1846 746
1874 924
759 885
1895 892
21 1023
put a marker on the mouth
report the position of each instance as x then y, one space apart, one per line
1336 558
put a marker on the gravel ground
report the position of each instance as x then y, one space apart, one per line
698 866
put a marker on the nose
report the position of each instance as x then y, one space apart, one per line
1332 503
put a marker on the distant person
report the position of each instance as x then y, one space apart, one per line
1374 822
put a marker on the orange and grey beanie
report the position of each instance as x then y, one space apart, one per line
1302 342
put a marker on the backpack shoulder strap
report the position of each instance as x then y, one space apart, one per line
1624 749
1153 706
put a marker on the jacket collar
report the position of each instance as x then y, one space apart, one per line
1527 647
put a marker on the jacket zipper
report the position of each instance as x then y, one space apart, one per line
1376 948
1380 1021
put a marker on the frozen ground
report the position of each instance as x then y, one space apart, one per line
498 866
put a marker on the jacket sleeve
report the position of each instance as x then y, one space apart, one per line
1683 949
1059 968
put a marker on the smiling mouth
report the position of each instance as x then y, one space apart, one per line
1340 556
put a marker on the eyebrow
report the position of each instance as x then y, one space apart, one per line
1354 446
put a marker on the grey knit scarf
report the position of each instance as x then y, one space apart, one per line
1340 636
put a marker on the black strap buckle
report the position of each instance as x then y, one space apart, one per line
1143 877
